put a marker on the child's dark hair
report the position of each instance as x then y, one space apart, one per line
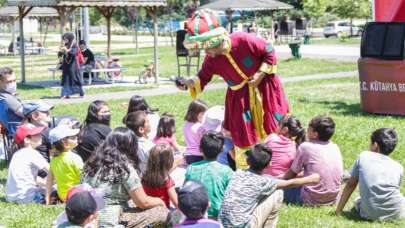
113 157
386 139
159 164
195 107
138 103
135 120
324 126
259 157
211 144
295 129
57 148
166 126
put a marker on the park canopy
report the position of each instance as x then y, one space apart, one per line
389 10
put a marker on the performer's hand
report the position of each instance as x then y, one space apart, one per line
257 79
184 84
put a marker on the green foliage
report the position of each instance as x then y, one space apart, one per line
95 16
298 4
351 8
323 20
2 2
315 8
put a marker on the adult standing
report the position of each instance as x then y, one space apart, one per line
255 100
71 81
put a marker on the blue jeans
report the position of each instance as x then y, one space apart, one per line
293 196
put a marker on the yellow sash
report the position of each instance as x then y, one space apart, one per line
255 99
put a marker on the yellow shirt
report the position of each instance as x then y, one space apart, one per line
66 168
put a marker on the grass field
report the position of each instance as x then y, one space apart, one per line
337 41
338 98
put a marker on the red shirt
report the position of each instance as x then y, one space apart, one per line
162 192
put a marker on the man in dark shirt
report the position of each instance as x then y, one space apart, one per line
89 60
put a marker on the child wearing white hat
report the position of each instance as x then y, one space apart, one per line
65 166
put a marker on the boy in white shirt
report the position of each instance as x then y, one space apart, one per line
22 184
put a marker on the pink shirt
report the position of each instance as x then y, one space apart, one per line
166 140
325 159
192 137
284 151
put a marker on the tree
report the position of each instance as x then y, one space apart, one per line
352 9
298 4
315 8
2 2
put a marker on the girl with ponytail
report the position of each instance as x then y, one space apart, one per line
284 143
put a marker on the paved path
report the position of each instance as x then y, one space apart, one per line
170 89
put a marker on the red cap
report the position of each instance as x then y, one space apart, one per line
26 130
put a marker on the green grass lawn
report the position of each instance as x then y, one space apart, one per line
338 98
168 67
37 65
337 41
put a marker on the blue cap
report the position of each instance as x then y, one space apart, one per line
28 108
60 132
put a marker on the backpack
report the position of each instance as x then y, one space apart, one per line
79 57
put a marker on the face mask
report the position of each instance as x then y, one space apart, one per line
11 88
105 118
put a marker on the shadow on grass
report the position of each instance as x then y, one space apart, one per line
3 165
22 86
3 199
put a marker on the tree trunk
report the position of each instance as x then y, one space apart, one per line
108 36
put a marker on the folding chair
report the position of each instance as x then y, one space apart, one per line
8 124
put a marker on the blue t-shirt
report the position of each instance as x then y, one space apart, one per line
223 156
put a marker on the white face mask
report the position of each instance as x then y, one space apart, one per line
11 88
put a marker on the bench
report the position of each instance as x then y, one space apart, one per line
101 70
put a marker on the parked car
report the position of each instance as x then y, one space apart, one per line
337 28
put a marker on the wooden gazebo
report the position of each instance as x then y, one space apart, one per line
10 14
106 8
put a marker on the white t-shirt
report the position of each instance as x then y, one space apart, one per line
154 122
21 184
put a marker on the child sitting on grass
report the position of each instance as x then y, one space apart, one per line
213 175
23 185
252 199
284 142
318 155
192 131
65 166
139 123
166 130
156 181
379 178
194 203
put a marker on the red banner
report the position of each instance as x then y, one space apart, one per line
389 10
382 86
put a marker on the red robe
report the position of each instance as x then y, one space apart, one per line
249 53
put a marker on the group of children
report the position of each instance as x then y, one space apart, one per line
292 165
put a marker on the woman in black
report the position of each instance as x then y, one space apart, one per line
71 82
95 129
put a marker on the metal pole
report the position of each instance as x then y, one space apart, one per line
22 48
86 25
155 46
13 37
